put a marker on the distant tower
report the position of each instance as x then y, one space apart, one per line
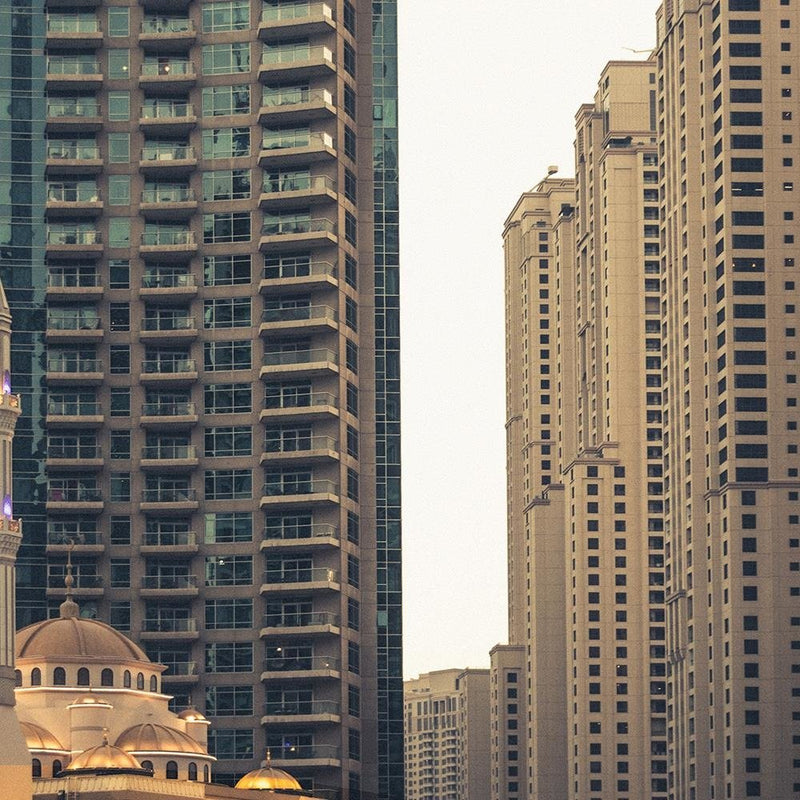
15 760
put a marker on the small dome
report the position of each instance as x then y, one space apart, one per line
151 737
73 638
191 715
90 699
104 758
269 778
37 738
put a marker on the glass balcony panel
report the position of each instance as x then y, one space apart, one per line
180 152
167 25
163 69
282 227
281 358
176 365
73 108
72 152
72 23
168 494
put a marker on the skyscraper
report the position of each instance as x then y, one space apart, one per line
652 461
200 251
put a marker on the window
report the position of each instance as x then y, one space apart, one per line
229 657
229 701
226 270
119 64
349 143
120 487
120 530
228 441
218 356
231 743
119 190
227 184
119 106
349 59
222 100
226 142
120 572
229 570
350 228
119 21
119 359
233 15
120 615
226 59
119 146
228 226
228 484
228 527
228 398
228 613
119 232
227 312
120 445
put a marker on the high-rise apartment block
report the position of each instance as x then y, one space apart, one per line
653 476
200 250
447 735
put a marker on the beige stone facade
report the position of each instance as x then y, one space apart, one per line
446 728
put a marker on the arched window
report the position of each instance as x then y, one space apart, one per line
36 768
59 677
107 677
153 683
206 773
147 765
17 677
83 677
192 771
36 677
172 770
56 768
140 681
126 679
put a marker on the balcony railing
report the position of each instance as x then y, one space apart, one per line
292 487
297 54
183 668
174 194
74 452
73 152
169 539
301 401
80 581
169 452
60 193
298 313
84 537
301 619
305 751
177 366
281 358
280 227
282 141
167 238
299 444
169 495
301 270
168 409
169 625
310 531
163 69
73 408
298 183
73 24
168 324
75 236
169 582
71 279
168 280
289 97
167 25
167 110
300 575
300 663
300 707
73 364
77 494
272 13
180 152
73 108
57 66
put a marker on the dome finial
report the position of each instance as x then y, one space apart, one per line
269 758
69 608
105 736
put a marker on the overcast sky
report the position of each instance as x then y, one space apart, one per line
488 94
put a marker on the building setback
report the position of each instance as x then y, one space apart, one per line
653 477
200 254
447 735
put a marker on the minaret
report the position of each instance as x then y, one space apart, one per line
15 759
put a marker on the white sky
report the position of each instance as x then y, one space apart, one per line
488 94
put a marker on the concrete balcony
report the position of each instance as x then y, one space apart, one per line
67 159
78 33
168 204
283 106
179 544
290 494
168 287
167 162
306 669
65 74
168 245
169 458
286 63
167 117
75 204
74 243
169 501
74 500
84 586
291 192
159 34
87 543
303 408
300 319
168 329
294 758
300 580
294 278
304 538
310 450
295 234
180 371
68 369
167 76
169 586
75 414
168 415
72 328
298 20
169 629
181 672
83 457
299 363
73 284
279 149
302 712
73 115
301 624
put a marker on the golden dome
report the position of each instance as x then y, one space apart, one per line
191 715
37 738
73 638
90 699
105 757
269 778
151 737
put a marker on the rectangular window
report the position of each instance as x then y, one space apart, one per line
228 398
220 356
229 657
227 184
233 15
228 484
224 227
119 147
230 744
227 312
229 527
223 100
235 570
226 59
229 613
119 23
226 142
119 106
227 270
231 440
